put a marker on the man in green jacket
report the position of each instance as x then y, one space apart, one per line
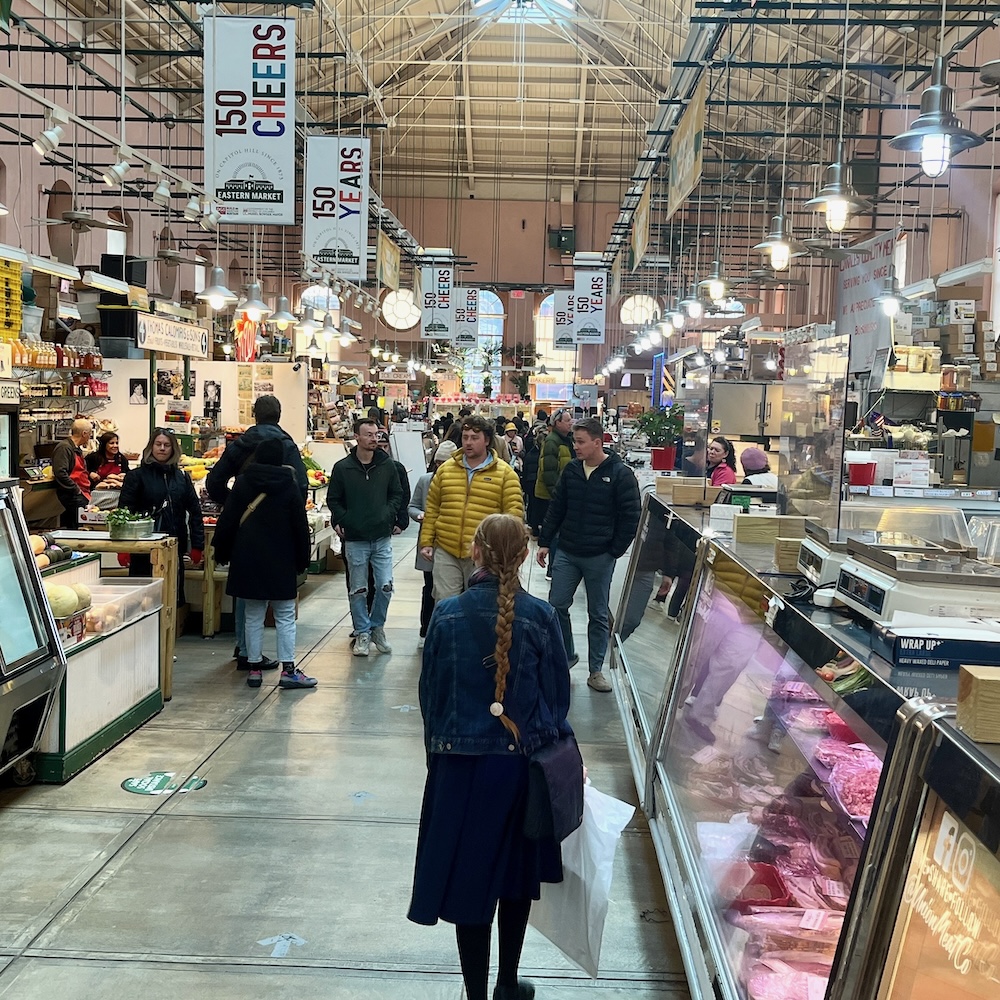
364 498
557 453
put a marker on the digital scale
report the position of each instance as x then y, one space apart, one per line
824 550
939 581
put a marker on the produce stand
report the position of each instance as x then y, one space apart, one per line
162 551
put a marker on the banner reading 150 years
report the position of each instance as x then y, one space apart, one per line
250 118
335 214
589 303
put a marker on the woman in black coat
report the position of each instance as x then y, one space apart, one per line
159 487
264 536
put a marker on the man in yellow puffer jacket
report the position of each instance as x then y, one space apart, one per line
473 483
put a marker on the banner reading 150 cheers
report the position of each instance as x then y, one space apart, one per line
466 317
589 302
437 304
335 214
250 118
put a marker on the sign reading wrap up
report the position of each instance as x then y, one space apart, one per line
335 212
154 333
250 118
437 318
590 305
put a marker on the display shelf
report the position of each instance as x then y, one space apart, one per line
912 381
26 371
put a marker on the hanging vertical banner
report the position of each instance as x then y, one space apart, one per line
859 314
589 304
685 150
387 258
466 317
250 118
640 225
335 209
616 276
563 327
437 316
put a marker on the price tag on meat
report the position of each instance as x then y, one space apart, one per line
813 920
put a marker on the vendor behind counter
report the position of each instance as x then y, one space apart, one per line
107 465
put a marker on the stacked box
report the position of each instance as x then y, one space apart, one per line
10 299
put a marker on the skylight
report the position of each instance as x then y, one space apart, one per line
518 11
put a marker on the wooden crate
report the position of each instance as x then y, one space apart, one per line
786 554
695 496
765 528
665 485
978 713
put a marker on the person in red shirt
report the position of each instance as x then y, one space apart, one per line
721 462
69 470
107 459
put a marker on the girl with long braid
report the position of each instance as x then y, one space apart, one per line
494 687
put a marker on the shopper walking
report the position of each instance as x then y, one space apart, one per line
721 456
529 476
557 453
159 487
595 513
263 534
469 486
416 510
364 497
239 454
69 470
472 855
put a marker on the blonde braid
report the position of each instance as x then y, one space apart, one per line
504 629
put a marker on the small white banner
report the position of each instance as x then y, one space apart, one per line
467 317
335 207
563 327
250 118
437 318
153 333
590 305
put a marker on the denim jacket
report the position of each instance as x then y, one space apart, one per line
456 688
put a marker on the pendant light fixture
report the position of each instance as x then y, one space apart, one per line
308 322
282 317
837 199
691 304
254 307
217 295
778 244
937 133
888 297
715 284
329 330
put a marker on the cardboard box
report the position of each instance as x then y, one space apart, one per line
978 714
695 496
764 528
960 310
943 646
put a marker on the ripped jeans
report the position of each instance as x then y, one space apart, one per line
359 556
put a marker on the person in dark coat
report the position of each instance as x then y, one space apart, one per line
158 486
529 476
480 726
264 536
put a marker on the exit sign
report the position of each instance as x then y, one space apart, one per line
517 293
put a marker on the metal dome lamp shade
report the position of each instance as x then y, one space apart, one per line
715 285
837 199
691 304
937 134
778 244
308 322
282 317
329 330
217 295
888 298
254 308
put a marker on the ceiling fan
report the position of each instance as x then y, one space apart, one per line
989 93
83 221
168 254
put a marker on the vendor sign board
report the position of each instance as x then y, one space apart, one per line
335 211
250 118
858 313
686 151
167 336
387 260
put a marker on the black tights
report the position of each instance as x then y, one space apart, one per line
474 948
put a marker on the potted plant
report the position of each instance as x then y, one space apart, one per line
662 427
520 355
123 523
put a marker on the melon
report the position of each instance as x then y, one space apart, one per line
37 544
62 600
42 561
82 595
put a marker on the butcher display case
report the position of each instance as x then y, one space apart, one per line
32 663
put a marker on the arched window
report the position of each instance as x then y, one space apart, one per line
490 344
322 299
637 310
544 333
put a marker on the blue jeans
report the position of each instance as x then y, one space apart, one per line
595 571
284 624
240 616
359 556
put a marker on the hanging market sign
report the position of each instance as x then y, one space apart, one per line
590 306
250 118
563 327
686 149
858 313
616 276
10 391
466 317
640 226
437 316
387 257
153 333
335 214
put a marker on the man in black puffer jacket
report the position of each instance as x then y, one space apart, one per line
595 513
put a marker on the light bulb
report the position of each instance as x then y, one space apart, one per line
281 324
781 256
655 337
770 364
376 350
216 302
716 289
677 320
386 355
637 347
719 355
252 313
227 349
837 213
699 361
605 372
395 358
890 306
694 309
345 341
935 154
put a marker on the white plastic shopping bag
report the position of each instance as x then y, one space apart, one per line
571 913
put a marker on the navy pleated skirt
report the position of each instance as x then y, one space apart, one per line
471 849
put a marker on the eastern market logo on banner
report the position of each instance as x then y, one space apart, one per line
590 306
563 327
335 214
250 118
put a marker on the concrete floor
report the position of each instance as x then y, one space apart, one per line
307 827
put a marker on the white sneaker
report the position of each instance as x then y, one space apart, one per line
362 644
380 641
420 642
